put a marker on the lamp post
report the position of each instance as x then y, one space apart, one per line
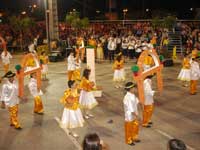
47 22
124 15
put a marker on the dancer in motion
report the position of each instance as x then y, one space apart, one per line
184 75
119 74
72 116
87 100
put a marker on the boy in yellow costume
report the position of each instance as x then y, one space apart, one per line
36 93
194 75
10 97
148 103
131 115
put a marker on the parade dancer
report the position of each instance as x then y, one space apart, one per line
148 62
87 100
71 60
6 56
10 97
194 75
184 75
119 74
148 103
77 72
44 61
131 115
72 116
36 93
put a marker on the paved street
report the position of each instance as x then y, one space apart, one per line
177 115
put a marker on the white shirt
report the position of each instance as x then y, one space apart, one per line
33 88
194 71
130 106
6 59
10 94
71 63
31 48
148 92
112 45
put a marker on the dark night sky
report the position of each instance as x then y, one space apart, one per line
93 5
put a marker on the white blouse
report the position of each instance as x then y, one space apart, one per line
130 106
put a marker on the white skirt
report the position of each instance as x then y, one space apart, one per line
119 75
44 68
87 100
72 118
184 75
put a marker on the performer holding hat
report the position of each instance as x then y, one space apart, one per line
131 115
10 97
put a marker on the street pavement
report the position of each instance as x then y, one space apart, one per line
176 115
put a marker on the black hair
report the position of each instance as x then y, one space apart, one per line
175 144
86 73
119 57
70 83
149 76
129 85
92 142
43 52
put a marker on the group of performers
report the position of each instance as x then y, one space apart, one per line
78 98
190 71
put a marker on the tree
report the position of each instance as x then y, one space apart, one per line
73 18
156 22
21 25
169 22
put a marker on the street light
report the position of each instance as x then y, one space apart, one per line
23 12
124 12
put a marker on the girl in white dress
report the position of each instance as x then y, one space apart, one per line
119 74
184 74
87 100
72 116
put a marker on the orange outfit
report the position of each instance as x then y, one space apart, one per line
118 65
86 85
6 68
70 99
147 114
148 60
131 131
14 116
193 86
38 107
186 63
194 53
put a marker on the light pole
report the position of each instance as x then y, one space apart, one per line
46 6
124 13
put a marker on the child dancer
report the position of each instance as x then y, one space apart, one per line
10 97
131 115
6 56
87 100
119 74
36 93
72 116
44 61
184 75
148 103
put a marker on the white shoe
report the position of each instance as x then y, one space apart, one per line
86 117
90 115
75 135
